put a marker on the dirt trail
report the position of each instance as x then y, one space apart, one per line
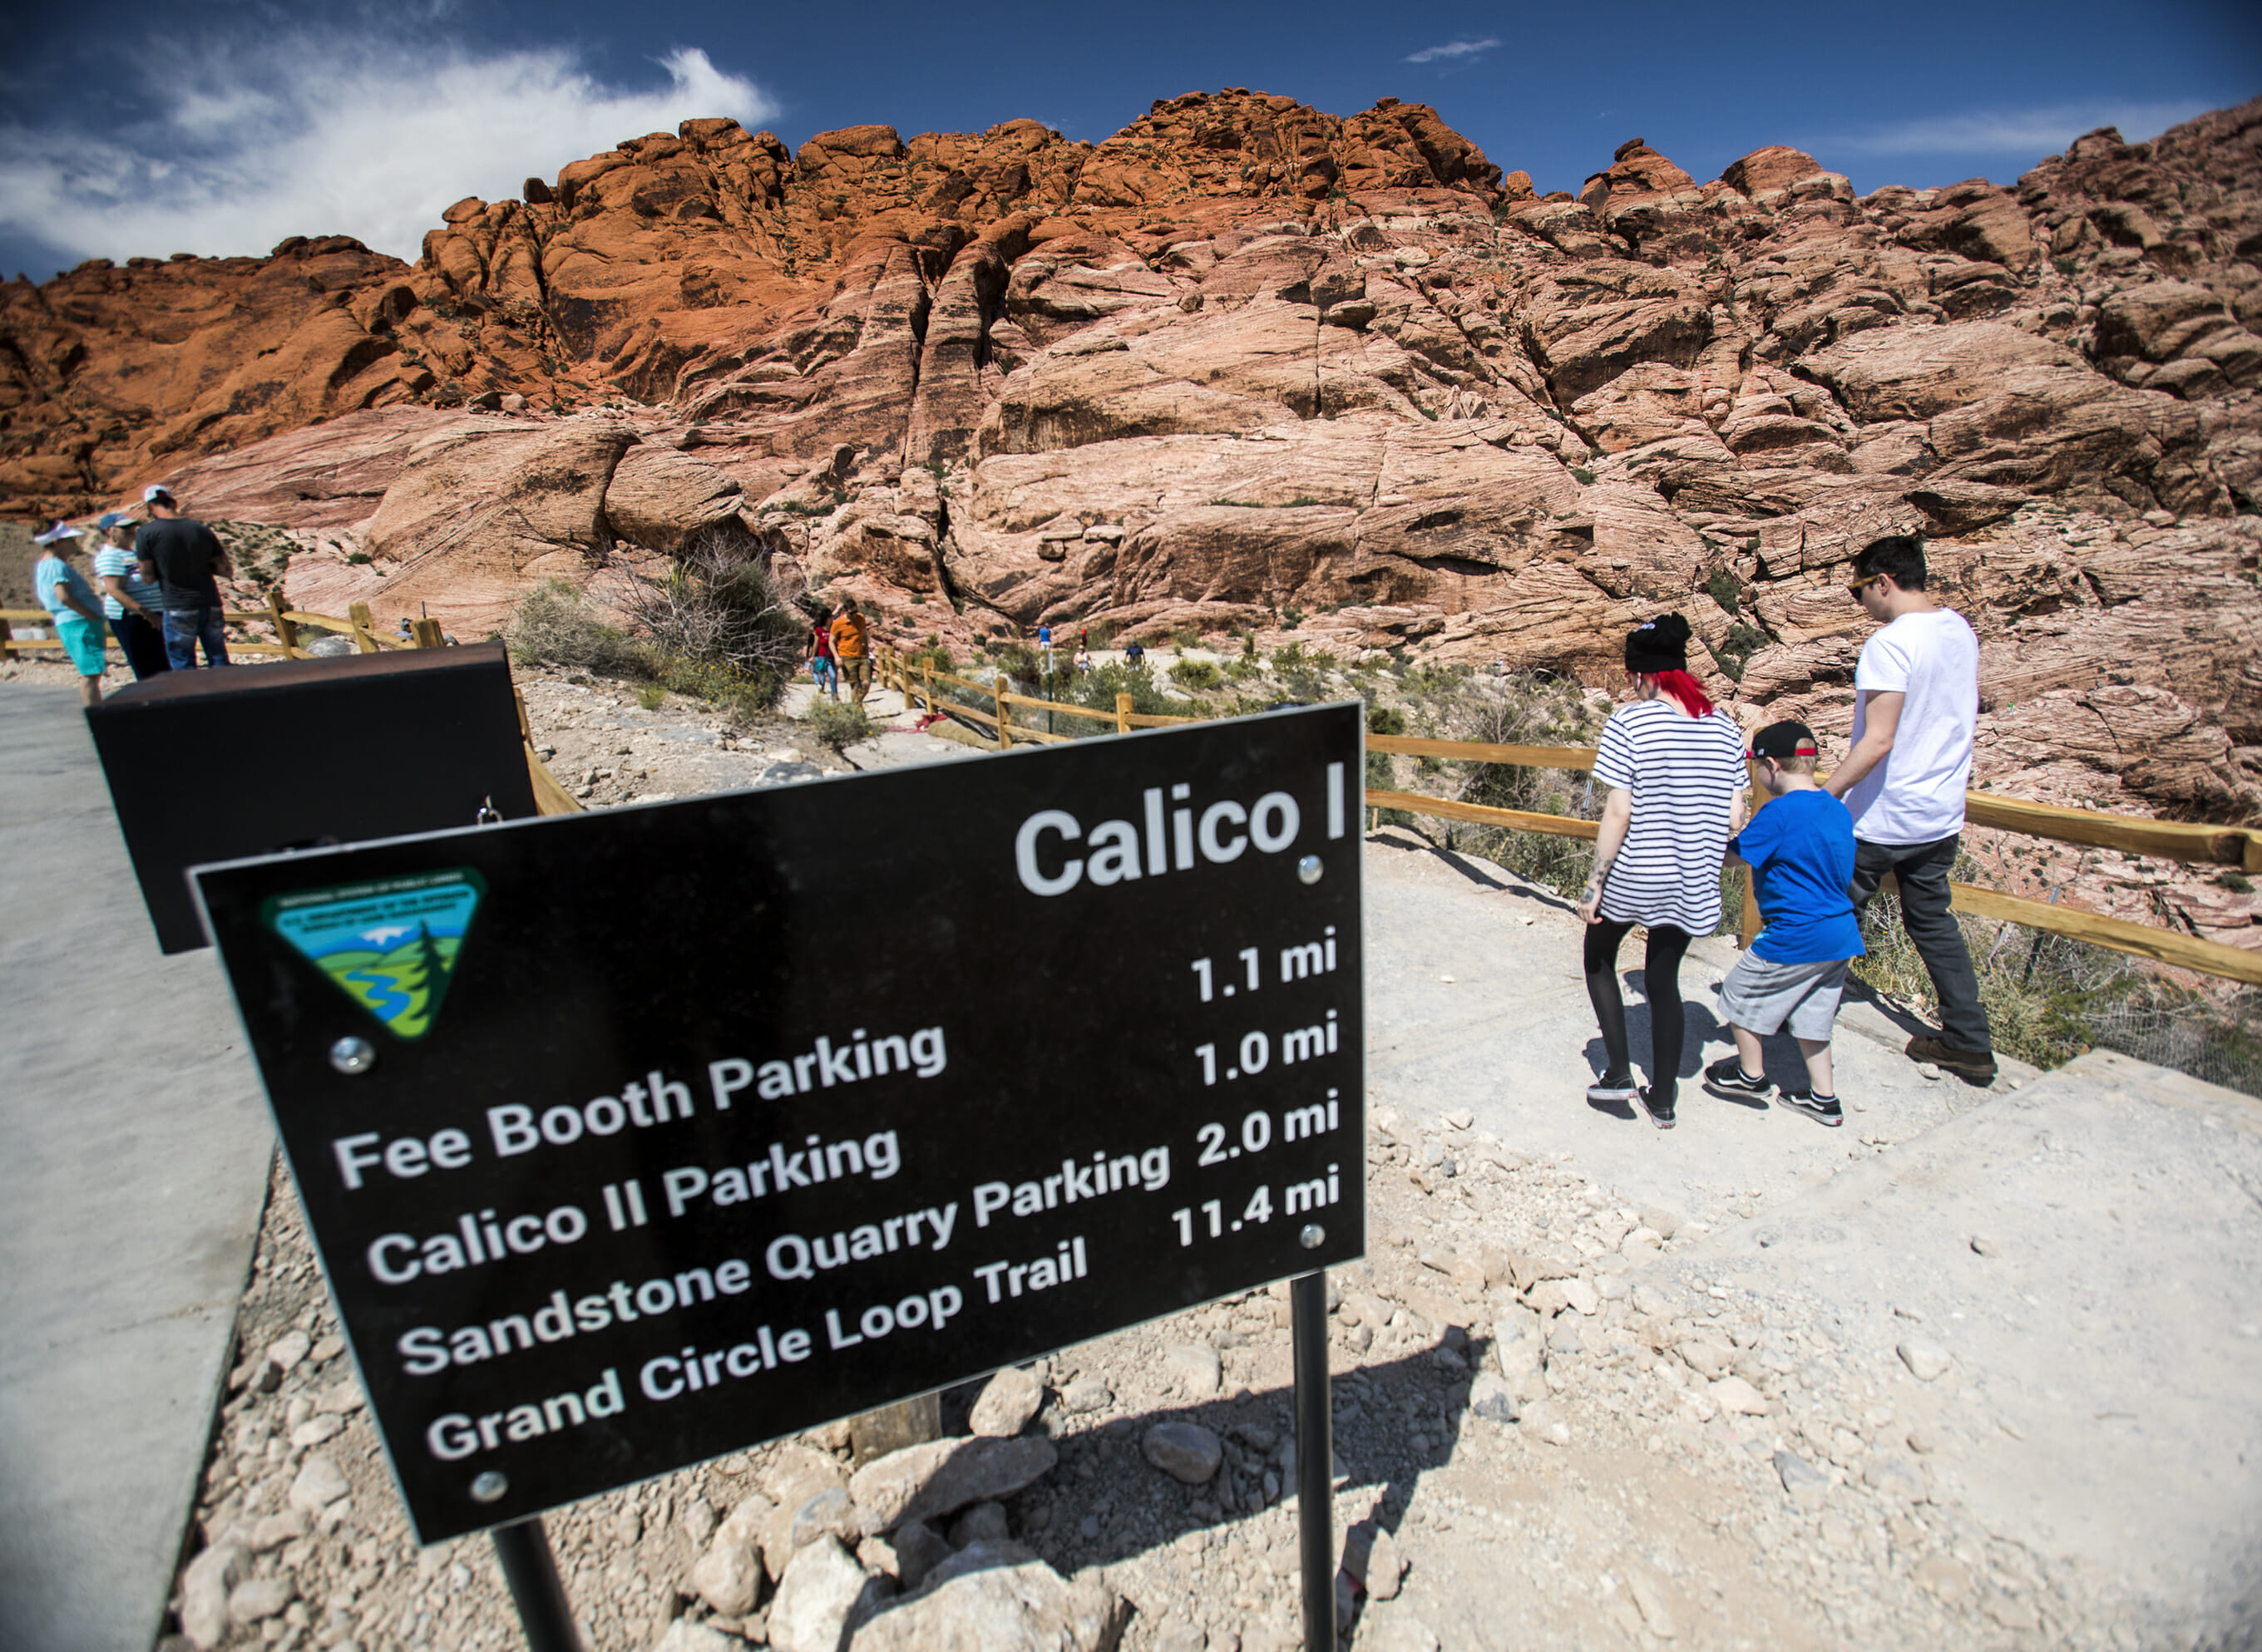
1974 1371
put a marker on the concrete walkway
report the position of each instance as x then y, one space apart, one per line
134 1157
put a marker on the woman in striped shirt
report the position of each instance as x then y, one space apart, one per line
1675 765
131 601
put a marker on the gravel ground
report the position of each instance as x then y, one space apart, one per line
1565 1418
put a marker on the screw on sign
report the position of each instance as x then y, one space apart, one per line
618 1161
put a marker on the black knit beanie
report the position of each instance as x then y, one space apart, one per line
1659 645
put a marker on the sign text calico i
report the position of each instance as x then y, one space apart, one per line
632 1138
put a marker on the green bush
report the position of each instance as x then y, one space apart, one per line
1723 590
555 624
839 723
1097 688
1196 674
651 696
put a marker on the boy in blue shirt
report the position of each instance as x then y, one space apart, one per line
1800 850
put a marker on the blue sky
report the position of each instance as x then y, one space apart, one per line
234 123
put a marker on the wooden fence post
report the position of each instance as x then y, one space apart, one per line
1752 922
7 648
1123 713
930 687
364 628
1004 712
285 632
429 633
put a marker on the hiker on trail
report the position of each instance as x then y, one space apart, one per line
64 592
1800 849
1916 706
182 555
132 603
1082 664
824 669
1134 653
850 640
1674 766
1045 646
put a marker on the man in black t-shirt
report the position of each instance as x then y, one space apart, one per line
182 556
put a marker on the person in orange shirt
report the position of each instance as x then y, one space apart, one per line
849 647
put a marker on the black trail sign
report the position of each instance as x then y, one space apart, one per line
635 1138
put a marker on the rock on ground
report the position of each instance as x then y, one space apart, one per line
991 1598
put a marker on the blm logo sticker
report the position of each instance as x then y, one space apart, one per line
391 946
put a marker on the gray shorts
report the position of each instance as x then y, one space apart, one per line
1760 996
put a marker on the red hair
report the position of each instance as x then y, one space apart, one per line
1687 690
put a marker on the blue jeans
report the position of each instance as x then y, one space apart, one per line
184 627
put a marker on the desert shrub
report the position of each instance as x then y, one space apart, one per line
1097 688
718 608
1196 674
651 696
2049 998
555 624
839 723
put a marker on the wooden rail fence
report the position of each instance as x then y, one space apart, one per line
2235 846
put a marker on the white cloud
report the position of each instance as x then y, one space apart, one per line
2026 132
1451 49
333 136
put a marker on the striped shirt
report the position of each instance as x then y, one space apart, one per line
116 561
1684 773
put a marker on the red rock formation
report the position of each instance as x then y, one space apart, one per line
1245 361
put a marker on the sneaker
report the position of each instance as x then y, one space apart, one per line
1659 1111
1823 1109
1976 1065
1728 1078
1613 1087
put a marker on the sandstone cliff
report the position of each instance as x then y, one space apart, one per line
1246 364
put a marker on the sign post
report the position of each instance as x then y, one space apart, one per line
631 1139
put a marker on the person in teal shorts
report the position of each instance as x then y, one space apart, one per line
64 592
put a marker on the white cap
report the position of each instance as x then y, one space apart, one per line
156 490
61 530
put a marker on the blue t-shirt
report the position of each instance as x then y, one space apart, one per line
50 575
1800 849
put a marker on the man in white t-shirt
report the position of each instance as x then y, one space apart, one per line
1916 704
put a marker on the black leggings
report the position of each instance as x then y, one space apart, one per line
1660 981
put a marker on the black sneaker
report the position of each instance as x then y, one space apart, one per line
1613 1087
1823 1109
1728 1078
1659 1111
1974 1067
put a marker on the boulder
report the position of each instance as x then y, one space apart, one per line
997 1598
823 1590
1188 1452
929 1481
207 1585
658 496
1007 1403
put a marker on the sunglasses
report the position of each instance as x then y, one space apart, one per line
1860 585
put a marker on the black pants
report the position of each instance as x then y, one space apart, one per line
1922 871
1661 974
144 644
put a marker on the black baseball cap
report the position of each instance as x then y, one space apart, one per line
1781 740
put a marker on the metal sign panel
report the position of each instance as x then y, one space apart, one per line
635 1138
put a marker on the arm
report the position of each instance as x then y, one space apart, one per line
114 586
1617 815
1881 721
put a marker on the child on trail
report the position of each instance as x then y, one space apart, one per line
1800 850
